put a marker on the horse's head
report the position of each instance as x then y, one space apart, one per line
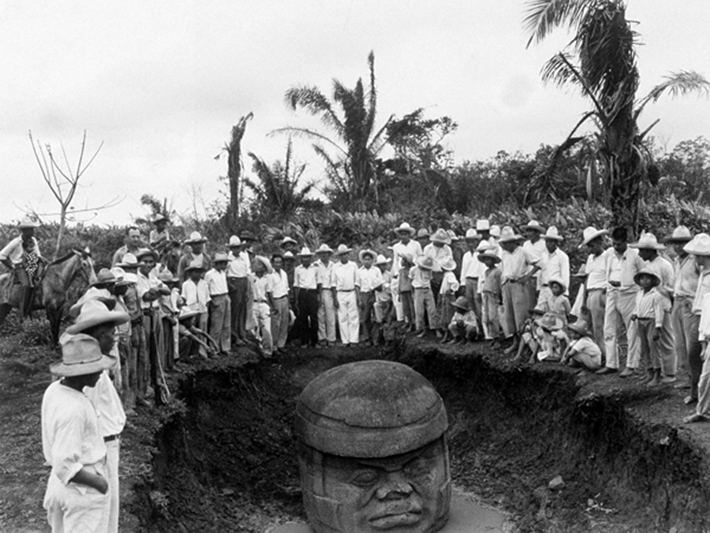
86 265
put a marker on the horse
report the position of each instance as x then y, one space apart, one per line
51 293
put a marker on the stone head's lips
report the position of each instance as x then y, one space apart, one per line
397 516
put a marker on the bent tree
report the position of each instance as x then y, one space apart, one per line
601 61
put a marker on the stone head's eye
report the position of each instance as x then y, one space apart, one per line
367 477
418 467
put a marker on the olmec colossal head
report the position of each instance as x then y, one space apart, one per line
372 451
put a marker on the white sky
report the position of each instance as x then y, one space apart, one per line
162 82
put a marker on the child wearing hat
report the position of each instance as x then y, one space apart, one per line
651 315
582 351
220 309
405 290
531 335
424 304
196 293
556 301
369 281
491 296
447 295
463 326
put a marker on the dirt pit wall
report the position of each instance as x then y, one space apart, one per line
227 461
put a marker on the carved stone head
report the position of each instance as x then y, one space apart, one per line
372 451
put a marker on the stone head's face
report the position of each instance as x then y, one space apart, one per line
405 493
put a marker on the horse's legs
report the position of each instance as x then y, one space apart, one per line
54 316
4 311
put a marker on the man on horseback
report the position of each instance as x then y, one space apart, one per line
132 244
25 262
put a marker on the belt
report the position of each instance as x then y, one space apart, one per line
218 295
615 284
279 297
422 288
309 290
112 437
470 277
684 297
137 321
147 312
644 319
261 301
596 289
346 290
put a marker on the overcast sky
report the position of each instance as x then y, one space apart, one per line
162 82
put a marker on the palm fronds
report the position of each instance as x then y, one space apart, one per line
678 83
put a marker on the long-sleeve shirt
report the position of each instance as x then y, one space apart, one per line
471 267
596 270
144 284
421 278
324 275
687 275
106 401
468 318
704 325
439 254
261 286
492 281
196 294
385 295
534 250
651 304
702 290
664 270
344 276
238 266
186 260
412 247
515 264
279 283
368 279
449 284
14 251
216 282
71 438
623 268
305 277
554 265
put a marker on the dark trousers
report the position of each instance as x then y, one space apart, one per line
308 316
238 299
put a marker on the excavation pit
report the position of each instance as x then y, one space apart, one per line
227 461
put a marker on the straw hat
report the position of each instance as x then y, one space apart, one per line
159 217
489 255
452 235
187 312
559 282
305 252
646 271
423 233
287 240
194 265
167 277
92 293
405 227
590 233
472 235
552 234
289 256
407 256
382 260
462 303
81 355
104 277
440 236
264 261
234 241
508 235
484 246
220 257
95 313
129 278
143 252
699 245
647 241
195 238
581 328
342 249
535 226
324 249
247 235
449 264
550 321
425 262
27 222
680 235
495 231
483 225
365 253
129 261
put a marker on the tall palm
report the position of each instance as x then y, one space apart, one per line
350 152
277 190
601 61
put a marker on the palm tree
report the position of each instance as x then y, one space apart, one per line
601 61
350 153
277 188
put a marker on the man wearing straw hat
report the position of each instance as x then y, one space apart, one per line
196 242
238 283
305 283
406 244
77 496
369 281
534 246
595 270
553 264
439 250
685 322
159 238
281 315
98 322
24 260
262 292
326 293
220 310
517 283
347 297
472 271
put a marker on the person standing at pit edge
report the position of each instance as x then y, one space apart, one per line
327 296
595 270
95 320
347 298
305 283
238 284
77 498
516 286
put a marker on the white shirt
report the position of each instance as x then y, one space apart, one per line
535 251
216 282
344 276
14 250
412 247
439 254
471 267
197 294
260 287
368 279
664 270
279 283
305 277
109 410
449 284
70 433
554 265
324 275
144 284
239 266
515 264
596 268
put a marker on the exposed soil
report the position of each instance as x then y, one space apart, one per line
221 457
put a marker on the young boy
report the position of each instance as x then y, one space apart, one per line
492 298
421 276
220 309
551 337
650 313
196 294
463 326
582 350
383 300
556 301
405 290
262 290
447 295
531 335
369 280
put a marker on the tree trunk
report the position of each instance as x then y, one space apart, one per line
234 166
60 233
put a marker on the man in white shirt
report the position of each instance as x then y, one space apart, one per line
347 296
369 280
305 284
238 271
596 270
281 313
472 271
553 264
534 247
220 310
439 250
326 306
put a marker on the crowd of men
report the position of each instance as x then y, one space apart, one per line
635 303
